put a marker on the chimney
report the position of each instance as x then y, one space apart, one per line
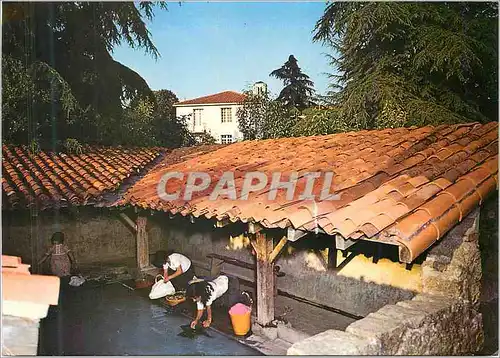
259 88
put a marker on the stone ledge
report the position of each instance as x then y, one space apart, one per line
267 332
333 342
287 333
425 325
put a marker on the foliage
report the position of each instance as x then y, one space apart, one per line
137 126
320 121
170 131
298 90
261 117
59 79
205 138
412 63
73 146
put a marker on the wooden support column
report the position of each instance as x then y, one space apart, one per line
142 242
215 266
332 257
265 279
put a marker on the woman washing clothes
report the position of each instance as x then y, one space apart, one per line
177 268
204 293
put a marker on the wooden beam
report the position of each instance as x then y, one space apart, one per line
343 244
129 221
293 234
346 261
142 243
377 254
332 258
265 280
215 266
276 251
222 223
254 246
254 228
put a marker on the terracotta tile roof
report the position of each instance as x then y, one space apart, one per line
222 97
46 179
175 156
407 186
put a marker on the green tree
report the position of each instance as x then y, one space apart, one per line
261 117
299 89
138 124
412 63
320 121
204 138
170 131
59 78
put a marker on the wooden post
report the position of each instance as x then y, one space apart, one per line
377 253
142 243
215 266
265 279
332 257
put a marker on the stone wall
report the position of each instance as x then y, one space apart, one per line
443 320
425 325
304 277
98 236
453 266
95 235
19 336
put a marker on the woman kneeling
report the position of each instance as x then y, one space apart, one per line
204 293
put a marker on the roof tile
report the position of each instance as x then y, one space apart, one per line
439 205
58 179
403 185
222 97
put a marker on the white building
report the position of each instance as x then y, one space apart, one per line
216 113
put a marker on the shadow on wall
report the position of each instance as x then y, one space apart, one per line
377 263
95 235
488 237
488 244
357 288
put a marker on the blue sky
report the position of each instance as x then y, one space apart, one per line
208 47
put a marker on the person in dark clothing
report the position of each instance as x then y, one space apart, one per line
177 268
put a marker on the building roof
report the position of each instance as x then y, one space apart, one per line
46 179
404 186
222 97
175 156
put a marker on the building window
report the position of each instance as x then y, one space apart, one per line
226 138
225 114
197 116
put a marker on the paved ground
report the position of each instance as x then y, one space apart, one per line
110 319
313 320
309 319
303 317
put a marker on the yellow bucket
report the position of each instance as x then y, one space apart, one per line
241 323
